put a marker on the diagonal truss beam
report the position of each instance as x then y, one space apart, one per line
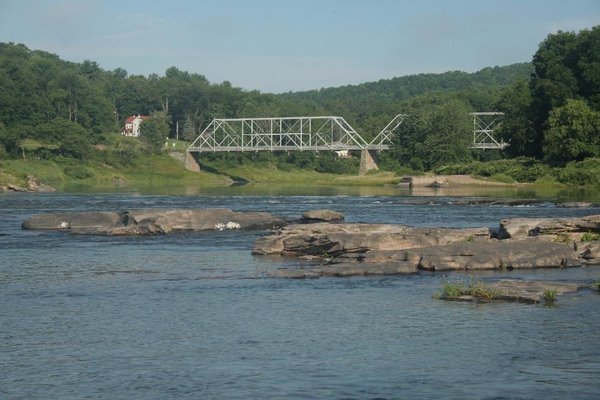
384 138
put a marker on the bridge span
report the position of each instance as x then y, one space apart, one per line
320 133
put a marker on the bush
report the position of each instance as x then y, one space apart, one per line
522 169
547 180
77 172
330 163
502 178
586 172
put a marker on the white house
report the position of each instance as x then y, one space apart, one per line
132 125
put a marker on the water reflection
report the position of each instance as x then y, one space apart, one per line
549 193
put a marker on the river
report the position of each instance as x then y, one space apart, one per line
195 316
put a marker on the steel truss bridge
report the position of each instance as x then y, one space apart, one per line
289 133
321 133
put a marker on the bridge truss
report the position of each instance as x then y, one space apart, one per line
288 133
484 124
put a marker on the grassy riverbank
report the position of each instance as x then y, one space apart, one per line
164 170
152 170
114 169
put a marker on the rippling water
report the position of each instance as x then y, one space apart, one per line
194 315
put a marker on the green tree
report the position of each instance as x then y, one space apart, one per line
567 66
154 131
73 139
517 129
573 134
189 132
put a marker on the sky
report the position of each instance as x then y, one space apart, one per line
291 45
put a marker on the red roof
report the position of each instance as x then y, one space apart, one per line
130 119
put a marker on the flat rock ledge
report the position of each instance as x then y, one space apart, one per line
153 221
520 291
383 249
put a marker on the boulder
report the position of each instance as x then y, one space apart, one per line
153 222
34 185
321 216
589 252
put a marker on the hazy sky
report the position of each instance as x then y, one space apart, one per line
276 46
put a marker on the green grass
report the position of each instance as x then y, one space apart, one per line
452 290
46 171
147 170
549 296
267 174
590 237
474 288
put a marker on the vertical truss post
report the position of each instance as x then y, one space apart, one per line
484 124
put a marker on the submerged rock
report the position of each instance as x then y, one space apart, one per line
577 204
153 222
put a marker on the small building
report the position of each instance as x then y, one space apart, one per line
132 125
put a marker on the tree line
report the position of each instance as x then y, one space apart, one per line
552 106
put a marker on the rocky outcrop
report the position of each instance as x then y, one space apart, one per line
376 249
324 239
33 185
523 227
461 256
153 222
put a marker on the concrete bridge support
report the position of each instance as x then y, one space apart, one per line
190 162
367 161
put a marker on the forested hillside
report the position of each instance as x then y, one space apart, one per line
70 105
54 108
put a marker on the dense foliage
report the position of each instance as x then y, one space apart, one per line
53 108
555 115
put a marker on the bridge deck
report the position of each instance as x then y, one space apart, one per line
206 149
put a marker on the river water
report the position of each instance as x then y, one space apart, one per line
194 316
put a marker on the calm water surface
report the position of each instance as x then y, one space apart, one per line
194 316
